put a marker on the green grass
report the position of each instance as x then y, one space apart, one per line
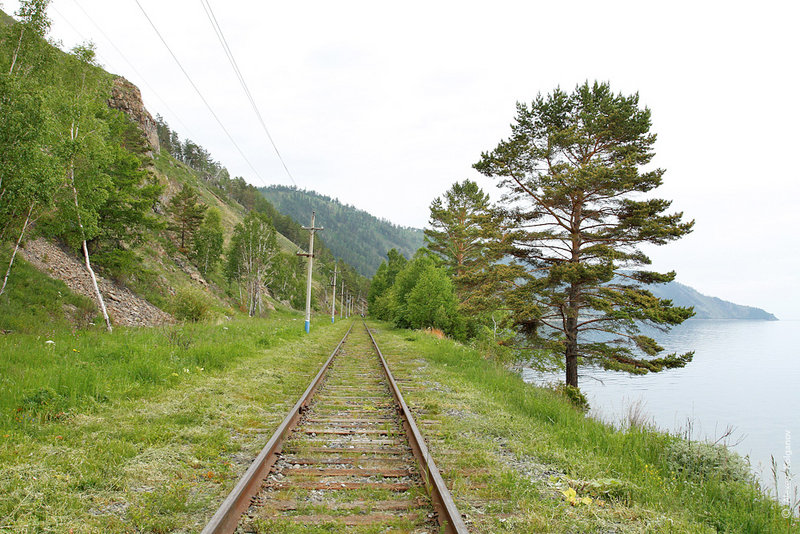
45 378
530 445
144 430
147 430
35 303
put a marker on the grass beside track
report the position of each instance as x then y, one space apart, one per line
147 430
521 459
143 430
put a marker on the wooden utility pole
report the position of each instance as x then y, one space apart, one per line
310 256
333 306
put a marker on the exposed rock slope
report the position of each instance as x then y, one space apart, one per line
124 307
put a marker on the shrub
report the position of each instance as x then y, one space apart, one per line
574 395
118 263
191 304
701 460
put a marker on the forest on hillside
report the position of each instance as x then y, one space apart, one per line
78 170
354 235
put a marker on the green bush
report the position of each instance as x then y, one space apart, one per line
574 395
118 263
702 460
44 403
191 304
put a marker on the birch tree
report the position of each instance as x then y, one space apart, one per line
80 141
252 258
28 175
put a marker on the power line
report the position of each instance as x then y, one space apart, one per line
194 86
232 60
125 59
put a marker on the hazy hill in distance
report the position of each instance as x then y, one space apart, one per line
706 307
359 238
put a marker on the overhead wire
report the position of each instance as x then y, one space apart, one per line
232 60
197 90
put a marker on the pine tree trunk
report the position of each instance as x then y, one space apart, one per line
571 331
572 357
16 248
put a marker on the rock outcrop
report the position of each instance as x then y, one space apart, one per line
127 98
124 307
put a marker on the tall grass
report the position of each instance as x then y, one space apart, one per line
644 458
44 377
34 302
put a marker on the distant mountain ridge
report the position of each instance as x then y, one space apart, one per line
706 307
355 236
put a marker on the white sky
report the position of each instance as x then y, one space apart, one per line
384 105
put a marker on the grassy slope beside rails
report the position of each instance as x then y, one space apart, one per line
144 430
522 459
34 302
147 430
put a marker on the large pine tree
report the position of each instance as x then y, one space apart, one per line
575 177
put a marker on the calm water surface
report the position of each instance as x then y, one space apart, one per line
745 374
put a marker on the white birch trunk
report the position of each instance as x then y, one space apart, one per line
16 248
16 51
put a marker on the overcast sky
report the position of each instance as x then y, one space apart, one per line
385 106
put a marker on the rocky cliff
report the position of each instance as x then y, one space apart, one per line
127 98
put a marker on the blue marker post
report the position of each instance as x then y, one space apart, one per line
333 306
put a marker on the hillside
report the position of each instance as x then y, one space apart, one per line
359 238
706 307
114 185
5 19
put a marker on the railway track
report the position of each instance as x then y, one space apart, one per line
348 456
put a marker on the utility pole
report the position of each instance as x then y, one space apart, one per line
343 310
310 256
333 306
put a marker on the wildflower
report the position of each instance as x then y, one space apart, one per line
175 374
49 342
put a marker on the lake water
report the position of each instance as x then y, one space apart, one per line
745 374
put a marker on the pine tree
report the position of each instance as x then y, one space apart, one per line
573 173
468 234
208 242
188 213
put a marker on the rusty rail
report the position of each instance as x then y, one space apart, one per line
227 517
246 493
448 515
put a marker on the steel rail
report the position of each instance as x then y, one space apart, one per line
230 512
447 513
